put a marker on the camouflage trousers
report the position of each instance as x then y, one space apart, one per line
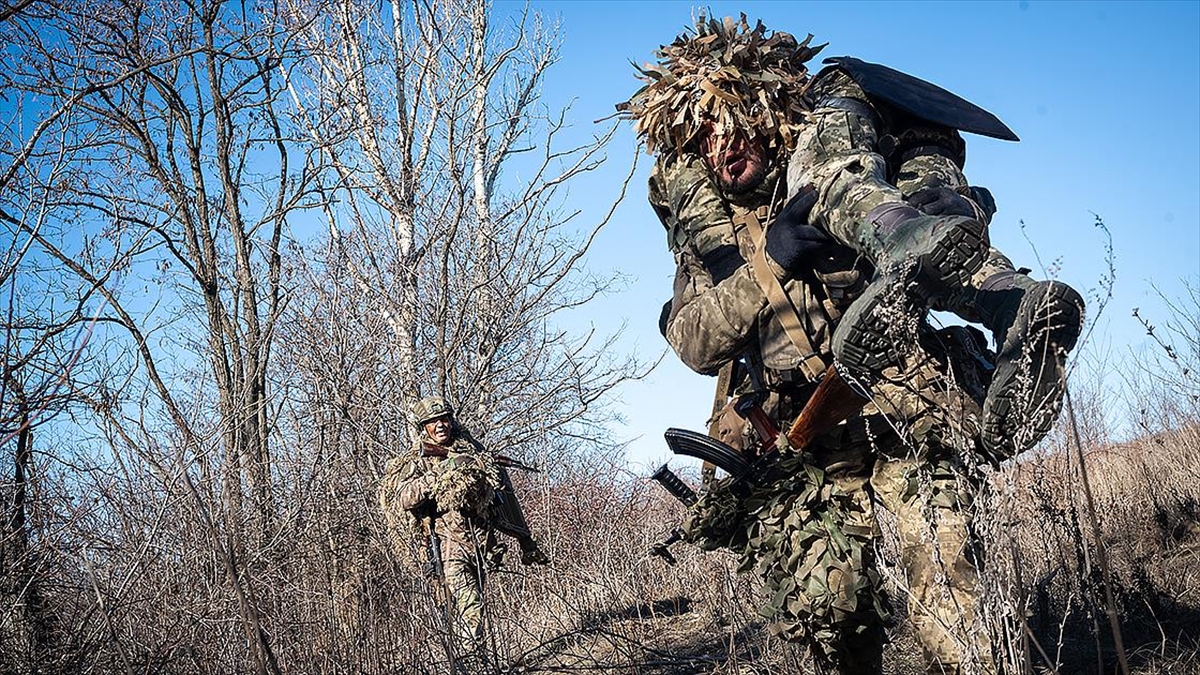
930 501
811 530
813 535
464 583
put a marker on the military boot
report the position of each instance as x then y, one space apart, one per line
918 260
1035 324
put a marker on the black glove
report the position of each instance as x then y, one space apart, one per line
791 241
942 201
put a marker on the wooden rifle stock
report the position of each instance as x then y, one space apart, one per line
833 401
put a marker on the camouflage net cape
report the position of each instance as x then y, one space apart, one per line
726 73
810 542
467 484
464 485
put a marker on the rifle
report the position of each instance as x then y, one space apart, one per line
441 590
434 450
833 400
434 543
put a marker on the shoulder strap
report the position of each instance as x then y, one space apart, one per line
811 363
720 397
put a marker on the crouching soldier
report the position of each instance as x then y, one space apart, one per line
458 495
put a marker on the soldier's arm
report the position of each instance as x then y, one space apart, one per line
837 152
710 324
690 207
413 486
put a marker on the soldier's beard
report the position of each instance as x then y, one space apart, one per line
743 183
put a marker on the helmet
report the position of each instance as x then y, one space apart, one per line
430 408
727 74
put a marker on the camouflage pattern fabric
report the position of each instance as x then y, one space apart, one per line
812 544
810 531
813 541
839 153
931 500
709 321
812 536
459 490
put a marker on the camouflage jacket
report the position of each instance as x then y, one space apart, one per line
718 309
454 493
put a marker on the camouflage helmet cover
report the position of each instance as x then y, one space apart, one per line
429 409
727 73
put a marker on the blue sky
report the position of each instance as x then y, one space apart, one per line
1105 97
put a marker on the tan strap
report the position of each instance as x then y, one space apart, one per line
831 310
752 221
720 397
708 470
811 363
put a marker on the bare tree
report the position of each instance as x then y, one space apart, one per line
231 385
180 177
418 110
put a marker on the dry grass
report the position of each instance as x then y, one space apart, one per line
610 609
127 580
336 598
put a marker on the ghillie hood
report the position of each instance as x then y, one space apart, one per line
726 73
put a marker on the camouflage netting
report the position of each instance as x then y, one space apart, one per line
726 73
467 484
810 542
403 527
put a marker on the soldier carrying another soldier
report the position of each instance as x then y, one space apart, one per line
874 225
457 494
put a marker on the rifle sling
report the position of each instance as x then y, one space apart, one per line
708 471
811 363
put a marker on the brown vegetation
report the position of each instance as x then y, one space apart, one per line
238 243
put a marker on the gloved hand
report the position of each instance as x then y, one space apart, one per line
942 201
532 554
791 241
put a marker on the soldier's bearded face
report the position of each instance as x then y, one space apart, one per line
440 430
738 163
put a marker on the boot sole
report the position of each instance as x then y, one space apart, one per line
1026 393
867 339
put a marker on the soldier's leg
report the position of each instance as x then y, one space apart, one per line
824 588
860 645
1034 323
464 583
931 500
942 261
920 256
